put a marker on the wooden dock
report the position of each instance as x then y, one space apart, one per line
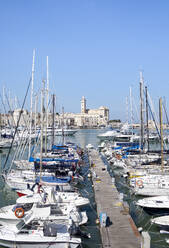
121 231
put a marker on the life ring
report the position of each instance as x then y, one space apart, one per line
19 212
139 183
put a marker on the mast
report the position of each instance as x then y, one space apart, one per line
47 97
15 102
63 134
141 113
42 120
131 107
30 121
161 133
53 119
36 105
47 94
148 145
127 113
4 96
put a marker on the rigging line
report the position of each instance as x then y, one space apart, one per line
25 121
3 169
36 142
165 113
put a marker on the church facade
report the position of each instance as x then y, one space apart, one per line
87 117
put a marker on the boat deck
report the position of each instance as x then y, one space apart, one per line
120 231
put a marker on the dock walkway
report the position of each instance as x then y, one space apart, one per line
121 231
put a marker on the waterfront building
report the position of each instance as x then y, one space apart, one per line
88 117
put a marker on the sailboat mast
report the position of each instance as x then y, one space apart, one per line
30 121
141 112
148 145
131 107
63 134
47 97
127 113
53 120
36 103
161 133
42 120
47 94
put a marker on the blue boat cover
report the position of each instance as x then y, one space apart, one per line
52 179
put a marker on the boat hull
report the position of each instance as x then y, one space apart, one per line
154 211
11 244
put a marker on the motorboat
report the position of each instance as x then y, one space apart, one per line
162 222
110 135
53 196
31 231
12 214
154 205
65 132
154 185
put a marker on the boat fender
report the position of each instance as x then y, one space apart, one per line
19 212
40 190
139 183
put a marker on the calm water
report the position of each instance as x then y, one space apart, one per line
82 138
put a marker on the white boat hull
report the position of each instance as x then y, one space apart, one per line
36 244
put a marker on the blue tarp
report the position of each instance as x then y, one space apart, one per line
117 148
31 159
132 147
52 179
54 147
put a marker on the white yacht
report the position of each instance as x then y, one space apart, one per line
32 232
154 205
52 196
11 215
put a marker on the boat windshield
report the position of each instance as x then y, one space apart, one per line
20 224
24 221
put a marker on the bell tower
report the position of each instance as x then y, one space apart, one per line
83 105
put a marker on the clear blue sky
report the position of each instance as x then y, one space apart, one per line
96 49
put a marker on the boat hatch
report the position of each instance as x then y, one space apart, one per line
51 229
159 201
